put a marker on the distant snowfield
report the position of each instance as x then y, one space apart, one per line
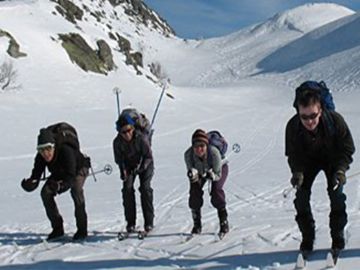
249 110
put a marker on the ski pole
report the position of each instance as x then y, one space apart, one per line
107 170
117 92
234 149
288 190
157 106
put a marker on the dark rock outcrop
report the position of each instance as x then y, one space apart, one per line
14 48
69 10
99 61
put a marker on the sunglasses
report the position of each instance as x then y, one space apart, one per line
126 131
309 116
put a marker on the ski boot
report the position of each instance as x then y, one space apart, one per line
80 235
338 241
196 215
224 224
306 247
130 228
56 233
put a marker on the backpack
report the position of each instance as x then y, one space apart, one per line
65 133
320 87
327 101
141 122
217 140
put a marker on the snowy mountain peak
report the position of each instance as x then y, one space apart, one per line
304 18
95 34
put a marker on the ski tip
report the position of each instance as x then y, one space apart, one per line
122 236
142 235
330 260
300 262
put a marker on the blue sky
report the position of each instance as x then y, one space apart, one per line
211 18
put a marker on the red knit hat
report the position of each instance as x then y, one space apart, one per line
199 136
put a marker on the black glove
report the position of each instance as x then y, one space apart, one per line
30 184
136 171
339 179
210 175
193 175
297 179
57 186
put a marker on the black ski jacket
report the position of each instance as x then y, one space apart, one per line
66 164
132 155
330 145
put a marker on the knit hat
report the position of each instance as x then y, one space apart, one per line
45 139
199 136
124 120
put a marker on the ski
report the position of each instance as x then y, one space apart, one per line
332 258
142 234
301 259
300 262
123 235
221 235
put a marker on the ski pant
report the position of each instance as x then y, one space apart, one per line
217 193
304 217
77 194
146 197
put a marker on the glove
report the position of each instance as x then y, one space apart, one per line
193 175
29 184
297 179
56 186
339 179
210 175
135 171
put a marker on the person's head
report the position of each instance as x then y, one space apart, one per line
127 132
309 109
200 142
46 144
125 126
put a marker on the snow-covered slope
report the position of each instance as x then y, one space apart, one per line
249 110
227 59
331 50
303 18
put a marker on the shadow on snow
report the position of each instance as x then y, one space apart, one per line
222 262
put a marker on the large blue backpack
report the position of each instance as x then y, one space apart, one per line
217 140
320 87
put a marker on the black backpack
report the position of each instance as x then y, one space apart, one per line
65 133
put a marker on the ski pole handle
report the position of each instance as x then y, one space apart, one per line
286 192
117 91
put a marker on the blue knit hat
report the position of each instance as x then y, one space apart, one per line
124 120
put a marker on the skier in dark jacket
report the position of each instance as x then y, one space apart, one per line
203 162
133 155
318 139
69 169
